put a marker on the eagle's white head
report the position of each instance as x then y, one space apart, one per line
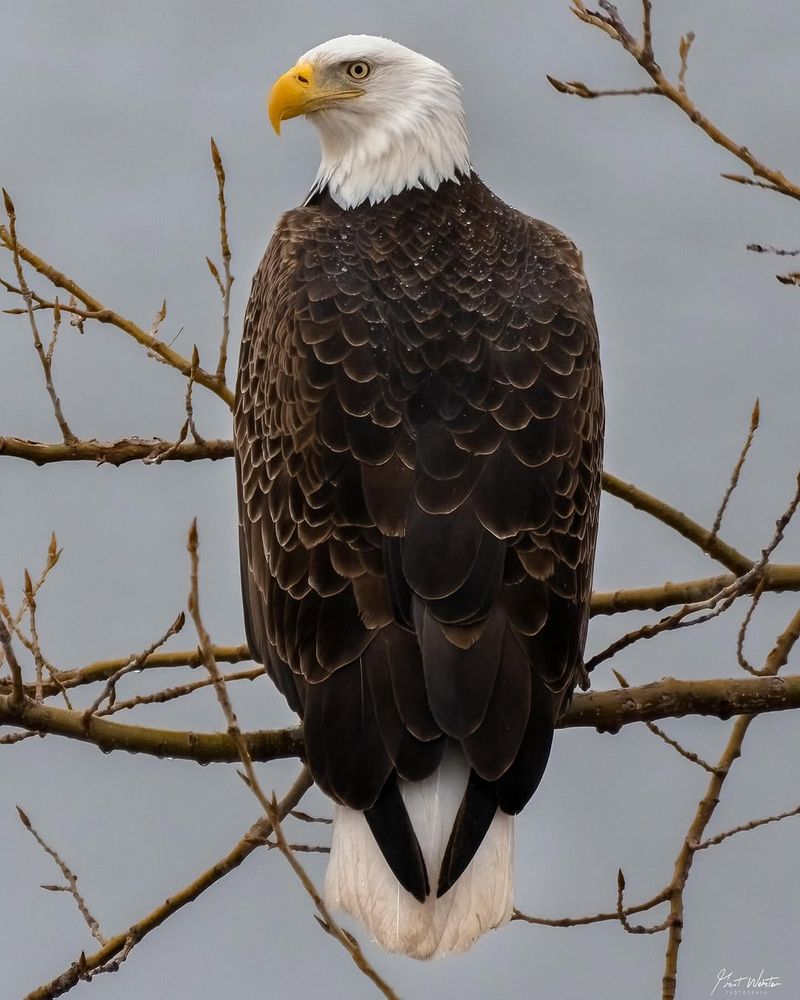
388 118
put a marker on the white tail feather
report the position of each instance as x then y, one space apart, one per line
360 881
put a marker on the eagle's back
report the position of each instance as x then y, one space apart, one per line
418 436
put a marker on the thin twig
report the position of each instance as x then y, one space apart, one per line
225 250
135 662
683 51
45 357
752 825
301 848
255 837
647 34
305 818
687 754
596 918
674 744
622 914
579 89
101 670
17 697
612 25
737 469
713 606
704 539
758 248
741 637
706 807
188 425
32 643
270 806
173 693
749 182
108 316
71 879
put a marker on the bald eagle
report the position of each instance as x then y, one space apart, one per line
418 437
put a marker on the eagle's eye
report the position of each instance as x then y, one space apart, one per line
359 70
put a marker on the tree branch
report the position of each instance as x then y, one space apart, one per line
16 699
605 711
204 748
86 965
101 670
45 357
611 24
596 918
71 880
225 251
705 810
708 541
104 315
116 453
754 824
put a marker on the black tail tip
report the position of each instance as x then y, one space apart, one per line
388 820
473 819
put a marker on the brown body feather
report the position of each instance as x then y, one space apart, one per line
418 436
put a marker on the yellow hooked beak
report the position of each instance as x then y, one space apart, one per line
297 93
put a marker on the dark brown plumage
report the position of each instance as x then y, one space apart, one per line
418 435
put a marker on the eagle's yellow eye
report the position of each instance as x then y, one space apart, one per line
359 70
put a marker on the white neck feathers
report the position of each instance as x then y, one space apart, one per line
406 131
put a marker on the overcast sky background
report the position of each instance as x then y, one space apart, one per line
105 114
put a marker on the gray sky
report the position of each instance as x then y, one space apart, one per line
105 116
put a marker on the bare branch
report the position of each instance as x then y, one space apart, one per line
305 818
131 449
165 743
17 699
749 182
301 848
71 879
776 577
578 89
758 248
713 606
647 34
108 316
683 51
596 918
101 670
752 825
45 357
680 748
135 662
606 711
707 805
325 919
742 660
612 25
622 914
120 945
704 539
755 417
180 691
674 744
225 250
270 807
